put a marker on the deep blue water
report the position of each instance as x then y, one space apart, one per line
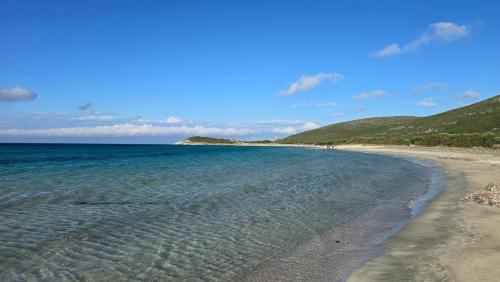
166 212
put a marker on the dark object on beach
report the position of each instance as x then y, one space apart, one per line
490 196
337 241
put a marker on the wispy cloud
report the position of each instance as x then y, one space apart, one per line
320 104
16 94
88 114
295 129
441 31
469 94
310 125
372 94
427 103
428 86
173 120
94 124
125 130
359 108
95 118
283 126
55 119
306 82
338 114
285 130
280 122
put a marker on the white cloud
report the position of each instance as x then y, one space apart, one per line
389 50
280 122
441 31
140 119
173 120
16 94
125 130
325 104
305 83
320 104
308 125
428 86
95 118
469 94
285 130
448 31
62 119
372 94
427 103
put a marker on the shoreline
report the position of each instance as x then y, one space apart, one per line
245 144
450 239
336 254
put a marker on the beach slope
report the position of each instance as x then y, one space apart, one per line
452 240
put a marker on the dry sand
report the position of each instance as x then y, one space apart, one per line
451 240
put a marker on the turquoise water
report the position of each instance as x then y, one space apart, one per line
166 212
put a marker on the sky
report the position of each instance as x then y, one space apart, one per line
161 71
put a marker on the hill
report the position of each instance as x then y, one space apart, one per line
207 140
474 125
219 141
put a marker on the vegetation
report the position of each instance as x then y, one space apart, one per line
474 125
259 142
210 140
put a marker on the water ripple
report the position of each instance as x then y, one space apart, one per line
77 212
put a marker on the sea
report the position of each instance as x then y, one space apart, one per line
87 212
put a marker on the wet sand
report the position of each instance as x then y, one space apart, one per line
452 240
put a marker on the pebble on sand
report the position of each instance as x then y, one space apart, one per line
489 196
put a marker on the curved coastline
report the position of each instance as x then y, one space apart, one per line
451 240
229 228
363 240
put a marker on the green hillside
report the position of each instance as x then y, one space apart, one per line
209 140
474 125
219 141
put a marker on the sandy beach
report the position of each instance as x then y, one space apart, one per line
451 240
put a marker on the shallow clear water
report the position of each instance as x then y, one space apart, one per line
165 212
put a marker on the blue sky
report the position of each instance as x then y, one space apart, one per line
159 71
